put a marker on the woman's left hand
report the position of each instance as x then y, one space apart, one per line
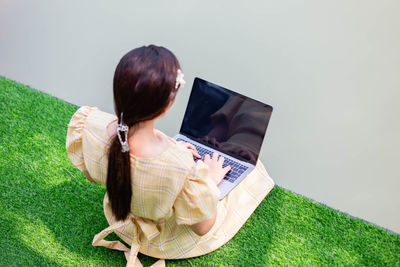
192 148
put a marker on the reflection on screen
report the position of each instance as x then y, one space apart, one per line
230 122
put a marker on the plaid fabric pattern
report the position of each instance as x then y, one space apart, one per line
170 192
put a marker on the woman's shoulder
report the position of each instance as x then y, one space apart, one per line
99 122
181 156
93 120
174 157
87 140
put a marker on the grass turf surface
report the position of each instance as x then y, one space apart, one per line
49 212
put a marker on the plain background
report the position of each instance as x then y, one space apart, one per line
329 69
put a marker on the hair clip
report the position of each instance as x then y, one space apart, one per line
123 128
179 79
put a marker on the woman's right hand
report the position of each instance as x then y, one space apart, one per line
216 172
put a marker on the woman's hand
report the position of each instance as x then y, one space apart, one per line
192 148
216 172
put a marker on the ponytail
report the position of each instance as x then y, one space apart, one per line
119 188
145 82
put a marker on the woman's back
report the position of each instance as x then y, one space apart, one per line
170 191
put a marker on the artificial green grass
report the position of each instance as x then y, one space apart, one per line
49 212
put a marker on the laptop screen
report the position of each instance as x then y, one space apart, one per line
225 120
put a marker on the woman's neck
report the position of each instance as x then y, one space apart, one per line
146 142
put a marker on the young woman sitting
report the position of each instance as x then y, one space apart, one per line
158 200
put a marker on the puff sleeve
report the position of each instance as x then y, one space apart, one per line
198 199
74 136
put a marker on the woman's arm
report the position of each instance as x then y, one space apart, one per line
216 173
203 228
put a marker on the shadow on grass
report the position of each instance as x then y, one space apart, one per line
66 219
15 252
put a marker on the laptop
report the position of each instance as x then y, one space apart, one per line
220 120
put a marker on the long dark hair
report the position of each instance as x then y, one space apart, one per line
144 85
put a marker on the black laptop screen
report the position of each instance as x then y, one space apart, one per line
228 121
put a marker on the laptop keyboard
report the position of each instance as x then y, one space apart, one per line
236 168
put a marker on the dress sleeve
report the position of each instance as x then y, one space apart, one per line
74 136
198 199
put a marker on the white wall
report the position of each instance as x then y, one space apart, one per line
329 69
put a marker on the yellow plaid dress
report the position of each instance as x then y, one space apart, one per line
170 192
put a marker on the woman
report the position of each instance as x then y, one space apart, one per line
158 200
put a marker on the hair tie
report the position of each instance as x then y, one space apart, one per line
123 128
